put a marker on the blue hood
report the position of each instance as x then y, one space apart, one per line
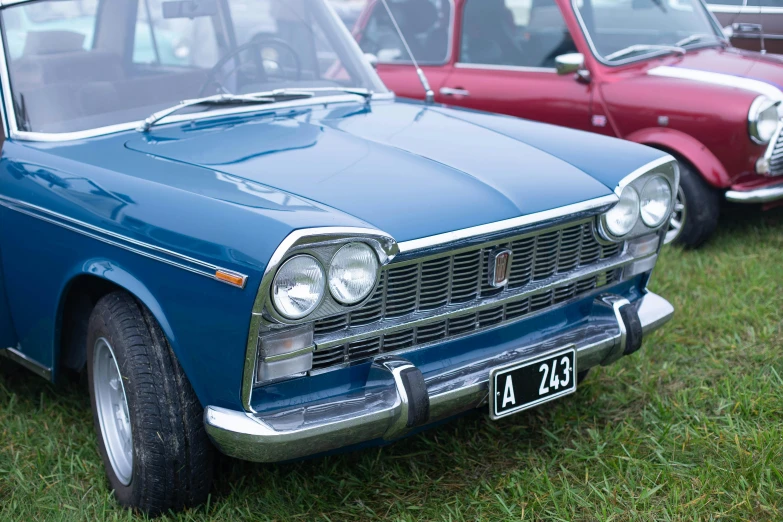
409 170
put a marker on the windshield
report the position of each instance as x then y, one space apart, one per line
622 30
75 65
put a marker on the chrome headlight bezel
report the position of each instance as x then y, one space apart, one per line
321 283
667 169
333 279
323 249
644 213
763 120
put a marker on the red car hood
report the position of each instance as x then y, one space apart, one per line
731 68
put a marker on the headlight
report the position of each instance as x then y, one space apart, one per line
763 119
298 287
352 273
656 201
621 219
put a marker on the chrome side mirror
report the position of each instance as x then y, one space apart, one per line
371 59
569 63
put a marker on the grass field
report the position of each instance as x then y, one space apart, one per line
690 428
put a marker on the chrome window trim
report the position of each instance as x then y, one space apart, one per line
649 56
449 48
510 68
744 8
573 210
193 265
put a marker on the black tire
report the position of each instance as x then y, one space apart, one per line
581 376
172 462
702 208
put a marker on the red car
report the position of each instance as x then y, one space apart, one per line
657 72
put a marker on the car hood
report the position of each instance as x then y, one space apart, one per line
407 169
729 68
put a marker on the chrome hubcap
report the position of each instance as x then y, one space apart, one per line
112 407
678 217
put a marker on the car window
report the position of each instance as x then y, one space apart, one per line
33 28
520 33
171 42
180 49
726 2
425 24
765 3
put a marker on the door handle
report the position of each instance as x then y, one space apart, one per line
448 91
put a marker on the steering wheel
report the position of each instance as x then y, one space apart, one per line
258 44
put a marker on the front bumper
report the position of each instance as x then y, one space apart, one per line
390 405
766 194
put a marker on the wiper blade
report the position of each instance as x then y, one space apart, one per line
225 99
642 48
695 38
359 91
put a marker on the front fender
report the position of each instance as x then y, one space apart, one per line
689 148
174 318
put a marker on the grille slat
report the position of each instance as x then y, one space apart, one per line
456 326
776 158
453 279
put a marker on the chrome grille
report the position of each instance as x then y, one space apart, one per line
450 279
776 158
456 326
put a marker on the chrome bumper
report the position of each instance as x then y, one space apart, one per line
385 408
761 195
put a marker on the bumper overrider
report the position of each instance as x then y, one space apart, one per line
398 398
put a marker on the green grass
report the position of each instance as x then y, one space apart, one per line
690 428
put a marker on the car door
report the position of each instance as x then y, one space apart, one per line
768 14
428 29
7 331
506 63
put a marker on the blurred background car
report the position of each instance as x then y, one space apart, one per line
656 72
751 22
349 10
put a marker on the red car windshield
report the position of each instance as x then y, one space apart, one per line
623 30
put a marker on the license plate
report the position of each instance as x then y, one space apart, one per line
525 385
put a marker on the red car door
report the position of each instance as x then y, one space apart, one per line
505 63
428 29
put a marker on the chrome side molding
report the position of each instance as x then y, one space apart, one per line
21 359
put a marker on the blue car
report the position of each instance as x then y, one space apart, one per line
291 261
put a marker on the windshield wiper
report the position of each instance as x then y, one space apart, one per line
696 37
644 47
226 99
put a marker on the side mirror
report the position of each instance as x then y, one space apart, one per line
371 59
569 63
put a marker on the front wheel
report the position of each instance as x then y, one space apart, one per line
696 210
147 418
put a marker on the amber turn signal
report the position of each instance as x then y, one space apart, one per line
231 278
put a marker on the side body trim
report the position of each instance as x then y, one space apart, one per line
163 255
34 366
725 80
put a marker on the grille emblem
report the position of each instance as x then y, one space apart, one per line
499 267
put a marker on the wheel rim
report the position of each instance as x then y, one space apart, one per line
678 217
112 409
